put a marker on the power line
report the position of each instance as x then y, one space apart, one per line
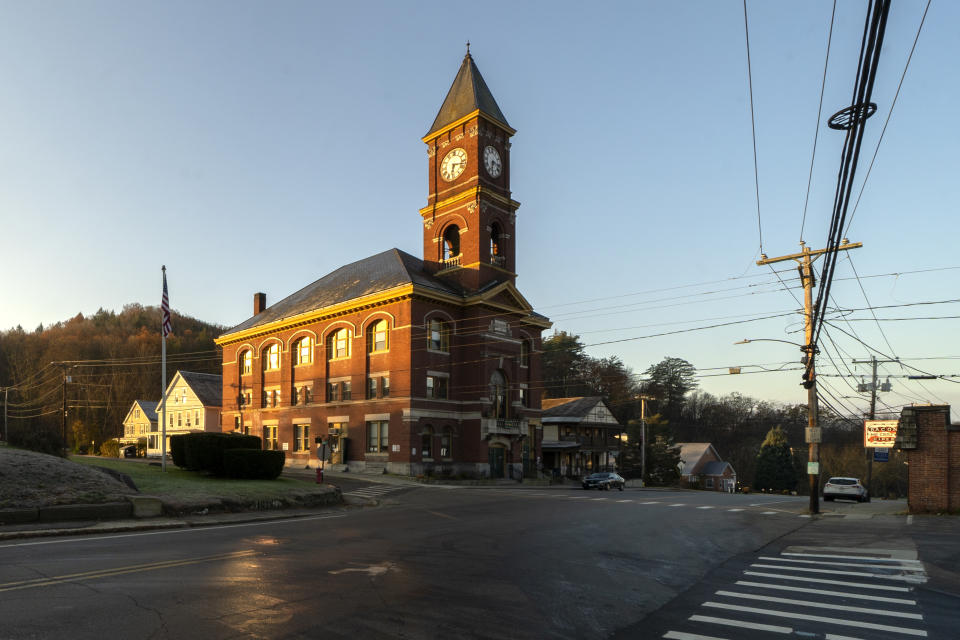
816 130
889 113
753 125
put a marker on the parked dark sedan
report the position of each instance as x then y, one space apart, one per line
129 451
605 480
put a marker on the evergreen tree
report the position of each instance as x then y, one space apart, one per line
775 468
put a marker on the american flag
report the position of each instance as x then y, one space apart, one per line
165 308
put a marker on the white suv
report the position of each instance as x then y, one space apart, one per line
844 488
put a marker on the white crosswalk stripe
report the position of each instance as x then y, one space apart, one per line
786 594
375 490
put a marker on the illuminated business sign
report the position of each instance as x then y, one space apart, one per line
879 433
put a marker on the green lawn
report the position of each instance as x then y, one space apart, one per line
188 485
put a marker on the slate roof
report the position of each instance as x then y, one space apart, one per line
568 407
207 386
150 408
379 272
467 94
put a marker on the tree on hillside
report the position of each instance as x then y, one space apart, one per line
775 469
563 362
120 354
668 382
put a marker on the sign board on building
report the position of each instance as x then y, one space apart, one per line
813 468
879 433
286 446
881 455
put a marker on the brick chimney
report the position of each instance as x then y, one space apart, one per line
259 302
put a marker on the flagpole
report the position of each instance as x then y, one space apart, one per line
164 323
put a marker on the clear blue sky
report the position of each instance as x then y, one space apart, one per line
255 146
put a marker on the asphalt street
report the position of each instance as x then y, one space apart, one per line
435 562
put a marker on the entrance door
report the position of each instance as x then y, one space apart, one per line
495 455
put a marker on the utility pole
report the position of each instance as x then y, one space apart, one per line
805 261
6 432
873 413
63 414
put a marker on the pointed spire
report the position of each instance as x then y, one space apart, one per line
467 94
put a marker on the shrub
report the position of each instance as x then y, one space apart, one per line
141 447
178 450
204 451
253 464
110 448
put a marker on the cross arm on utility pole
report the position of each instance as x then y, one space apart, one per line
805 258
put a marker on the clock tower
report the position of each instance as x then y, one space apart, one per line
469 221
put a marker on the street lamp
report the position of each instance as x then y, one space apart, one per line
813 430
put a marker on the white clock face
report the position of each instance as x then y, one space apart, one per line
453 164
491 160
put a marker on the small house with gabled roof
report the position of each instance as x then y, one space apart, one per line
193 404
701 466
140 422
580 435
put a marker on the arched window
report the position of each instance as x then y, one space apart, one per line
496 246
377 336
303 350
271 357
498 393
451 242
246 362
438 335
338 344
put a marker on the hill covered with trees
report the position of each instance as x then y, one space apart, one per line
98 365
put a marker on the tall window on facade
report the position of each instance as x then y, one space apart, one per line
271 357
451 243
337 391
438 335
437 387
377 336
377 436
270 437
525 353
426 442
496 246
303 351
301 437
246 362
338 344
445 439
498 393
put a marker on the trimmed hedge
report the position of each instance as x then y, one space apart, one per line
204 451
253 464
110 448
178 450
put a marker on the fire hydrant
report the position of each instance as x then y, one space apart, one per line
319 475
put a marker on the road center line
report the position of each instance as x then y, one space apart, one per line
821 605
105 573
802 616
679 504
705 507
729 510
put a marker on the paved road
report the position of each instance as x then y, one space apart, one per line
455 562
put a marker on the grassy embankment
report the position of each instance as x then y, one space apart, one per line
191 487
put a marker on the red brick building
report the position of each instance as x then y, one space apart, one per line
932 444
409 365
